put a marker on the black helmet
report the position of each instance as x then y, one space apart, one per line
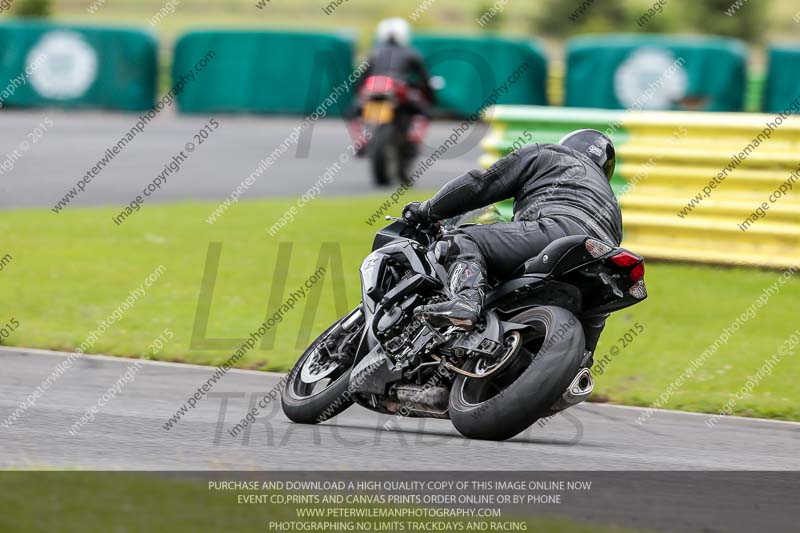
596 145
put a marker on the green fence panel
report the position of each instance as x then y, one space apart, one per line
265 72
782 86
754 96
478 70
654 72
74 66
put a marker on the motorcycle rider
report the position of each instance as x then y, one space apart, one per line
393 57
558 189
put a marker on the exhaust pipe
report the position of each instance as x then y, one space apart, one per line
419 401
578 391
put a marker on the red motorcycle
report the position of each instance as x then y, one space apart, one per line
393 125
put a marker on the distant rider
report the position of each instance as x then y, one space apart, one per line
393 57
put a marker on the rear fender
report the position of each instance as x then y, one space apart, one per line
531 291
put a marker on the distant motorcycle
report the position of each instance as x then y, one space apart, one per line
525 360
393 129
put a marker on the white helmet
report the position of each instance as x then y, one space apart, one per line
396 30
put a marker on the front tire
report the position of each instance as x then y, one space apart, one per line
497 407
312 403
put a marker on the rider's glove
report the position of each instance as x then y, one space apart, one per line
417 213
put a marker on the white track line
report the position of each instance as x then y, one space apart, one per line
691 413
100 357
54 353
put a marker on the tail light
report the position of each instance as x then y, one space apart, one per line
638 291
596 248
379 84
626 259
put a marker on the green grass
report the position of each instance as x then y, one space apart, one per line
102 502
71 270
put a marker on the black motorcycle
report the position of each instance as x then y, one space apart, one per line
528 358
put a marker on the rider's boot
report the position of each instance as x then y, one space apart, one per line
468 285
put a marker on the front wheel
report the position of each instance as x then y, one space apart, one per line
507 402
317 386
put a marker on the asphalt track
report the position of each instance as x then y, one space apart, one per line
48 168
701 480
128 432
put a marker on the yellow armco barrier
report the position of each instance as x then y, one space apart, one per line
555 83
703 187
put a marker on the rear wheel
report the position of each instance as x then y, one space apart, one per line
406 160
317 388
382 155
508 401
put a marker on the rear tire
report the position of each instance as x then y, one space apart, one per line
379 148
499 407
407 156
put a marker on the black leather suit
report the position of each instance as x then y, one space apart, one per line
557 192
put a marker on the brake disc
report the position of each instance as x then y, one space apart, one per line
317 367
485 367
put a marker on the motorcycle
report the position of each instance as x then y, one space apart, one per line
393 130
528 358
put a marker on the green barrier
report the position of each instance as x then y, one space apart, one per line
71 66
782 86
476 68
265 72
656 73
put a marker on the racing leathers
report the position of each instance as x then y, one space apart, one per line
557 192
